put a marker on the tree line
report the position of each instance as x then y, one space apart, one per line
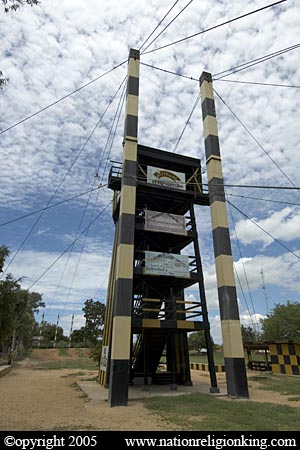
283 323
17 309
18 325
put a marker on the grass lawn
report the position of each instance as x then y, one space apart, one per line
219 358
202 359
280 383
69 364
206 412
68 359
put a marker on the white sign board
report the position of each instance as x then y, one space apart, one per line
104 358
168 223
168 264
167 178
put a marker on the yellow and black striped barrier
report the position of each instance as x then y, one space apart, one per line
205 367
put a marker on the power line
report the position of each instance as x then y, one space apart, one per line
256 141
232 70
52 196
214 27
160 22
167 26
51 206
81 250
259 59
244 296
140 178
170 72
60 280
256 186
112 133
81 221
61 182
244 270
101 285
266 232
119 107
254 62
60 99
187 122
69 246
261 84
70 253
264 288
113 137
264 199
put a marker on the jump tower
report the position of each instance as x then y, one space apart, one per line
147 316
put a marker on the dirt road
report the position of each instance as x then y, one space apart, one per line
32 399
47 400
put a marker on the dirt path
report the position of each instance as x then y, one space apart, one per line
33 399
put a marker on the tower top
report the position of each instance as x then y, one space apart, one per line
134 53
205 76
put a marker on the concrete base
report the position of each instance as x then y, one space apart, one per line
214 390
96 392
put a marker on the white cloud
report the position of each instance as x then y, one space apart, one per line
283 225
252 320
246 319
215 329
91 274
280 271
52 49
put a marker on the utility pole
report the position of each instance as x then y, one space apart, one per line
41 330
264 288
71 330
55 337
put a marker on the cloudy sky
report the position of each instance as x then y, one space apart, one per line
51 50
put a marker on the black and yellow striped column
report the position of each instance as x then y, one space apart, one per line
235 367
121 335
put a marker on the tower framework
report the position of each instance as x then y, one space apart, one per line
155 258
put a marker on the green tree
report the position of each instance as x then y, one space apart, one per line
13 5
49 330
4 252
17 308
79 335
8 290
248 334
94 313
283 322
197 340
26 305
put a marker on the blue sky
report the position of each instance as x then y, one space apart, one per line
51 50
